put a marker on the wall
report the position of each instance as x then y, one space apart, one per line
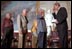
15 7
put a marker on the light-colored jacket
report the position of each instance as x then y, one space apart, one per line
21 22
22 25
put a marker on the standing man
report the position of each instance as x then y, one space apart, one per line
7 31
40 27
60 15
22 25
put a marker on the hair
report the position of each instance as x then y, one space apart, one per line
41 10
57 3
25 9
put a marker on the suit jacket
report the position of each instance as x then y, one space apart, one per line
22 22
61 17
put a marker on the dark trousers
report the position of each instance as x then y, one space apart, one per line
7 38
24 38
63 35
42 40
6 43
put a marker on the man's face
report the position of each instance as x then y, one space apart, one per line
8 15
56 7
41 12
24 12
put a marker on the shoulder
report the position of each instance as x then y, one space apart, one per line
18 16
4 19
62 8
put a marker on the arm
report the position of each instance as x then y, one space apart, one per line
62 15
18 23
3 23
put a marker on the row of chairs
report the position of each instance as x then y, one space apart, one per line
53 41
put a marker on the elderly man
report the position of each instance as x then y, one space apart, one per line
40 27
60 14
7 31
22 25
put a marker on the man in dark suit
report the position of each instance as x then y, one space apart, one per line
60 15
